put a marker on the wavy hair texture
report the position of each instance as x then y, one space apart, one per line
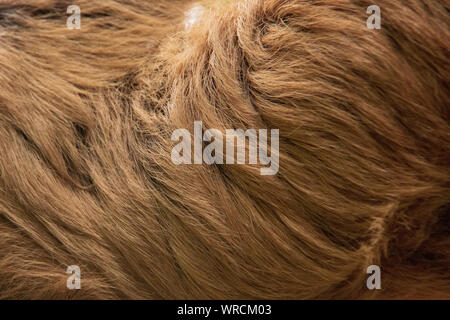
86 178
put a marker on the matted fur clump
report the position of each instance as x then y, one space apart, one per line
86 176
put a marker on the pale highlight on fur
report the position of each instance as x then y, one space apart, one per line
86 176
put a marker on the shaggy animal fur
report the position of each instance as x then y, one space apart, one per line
86 178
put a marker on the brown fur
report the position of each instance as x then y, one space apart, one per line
86 177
